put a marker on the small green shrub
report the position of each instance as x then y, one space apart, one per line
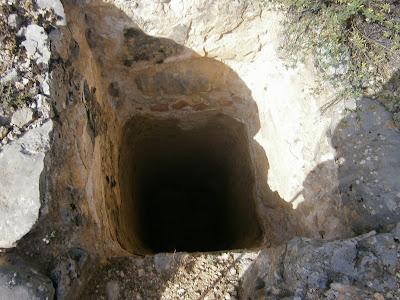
10 96
356 43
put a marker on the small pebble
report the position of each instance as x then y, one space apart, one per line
181 291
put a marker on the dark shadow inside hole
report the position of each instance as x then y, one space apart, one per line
187 189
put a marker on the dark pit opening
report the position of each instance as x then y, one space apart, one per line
186 185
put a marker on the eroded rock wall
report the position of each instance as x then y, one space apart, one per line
114 63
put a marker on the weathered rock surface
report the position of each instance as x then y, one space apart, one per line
37 44
43 107
368 144
21 164
57 7
305 268
21 281
22 117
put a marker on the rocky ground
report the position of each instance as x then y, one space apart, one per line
24 58
50 264
364 267
170 276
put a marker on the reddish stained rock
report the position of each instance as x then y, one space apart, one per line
160 107
180 104
225 102
200 106
139 108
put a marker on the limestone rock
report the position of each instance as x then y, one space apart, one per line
361 265
21 281
14 21
37 44
22 117
10 78
21 164
43 106
369 172
57 7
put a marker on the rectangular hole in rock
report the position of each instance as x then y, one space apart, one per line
186 185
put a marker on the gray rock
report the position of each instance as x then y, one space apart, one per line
22 117
69 273
364 264
112 288
315 261
21 163
14 21
37 44
21 32
163 261
4 118
369 177
21 281
57 7
10 78
46 85
383 247
396 232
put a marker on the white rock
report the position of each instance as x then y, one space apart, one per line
14 21
181 291
37 44
19 86
21 163
46 85
22 117
43 106
25 81
57 7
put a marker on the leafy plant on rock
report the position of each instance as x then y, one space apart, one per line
356 42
